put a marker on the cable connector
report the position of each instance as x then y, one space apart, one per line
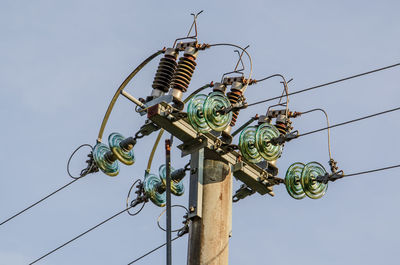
234 107
330 177
283 138
333 165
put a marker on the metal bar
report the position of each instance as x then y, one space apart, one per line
132 98
168 194
196 184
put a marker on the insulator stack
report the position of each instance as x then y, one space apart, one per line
185 69
165 71
301 180
234 97
282 128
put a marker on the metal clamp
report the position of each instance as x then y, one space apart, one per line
330 177
234 107
283 138
242 193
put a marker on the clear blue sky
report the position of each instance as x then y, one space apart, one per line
61 62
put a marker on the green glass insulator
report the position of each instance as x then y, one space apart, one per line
247 145
125 156
99 156
293 181
264 134
196 115
177 187
215 102
313 188
151 186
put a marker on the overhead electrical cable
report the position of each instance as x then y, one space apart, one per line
370 171
89 169
151 251
326 84
350 121
80 235
39 201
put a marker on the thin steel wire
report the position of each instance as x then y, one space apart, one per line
370 171
39 201
285 88
350 121
57 190
73 153
161 214
128 199
80 235
328 128
151 251
244 50
327 84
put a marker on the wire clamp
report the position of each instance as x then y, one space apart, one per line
242 193
234 107
283 138
330 177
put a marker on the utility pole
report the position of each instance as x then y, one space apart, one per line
209 235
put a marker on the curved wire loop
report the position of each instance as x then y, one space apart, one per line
91 167
120 88
328 128
161 214
139 199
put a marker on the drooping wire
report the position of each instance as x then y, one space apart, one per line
80 235
328 128
89 169
84 171
128 198
350 121
118 92
327 84
285 89
161 214
243 50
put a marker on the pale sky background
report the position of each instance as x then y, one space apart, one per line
61 62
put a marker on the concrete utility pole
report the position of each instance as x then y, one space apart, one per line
209 235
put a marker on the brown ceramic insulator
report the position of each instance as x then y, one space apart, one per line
234 96
184 72
281 127
165 72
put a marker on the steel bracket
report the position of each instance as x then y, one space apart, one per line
212 148
151 103
193 145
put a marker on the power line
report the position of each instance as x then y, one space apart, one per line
151 251
350 121
39 201
327 84
339 175
89 169
80 235
370 171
